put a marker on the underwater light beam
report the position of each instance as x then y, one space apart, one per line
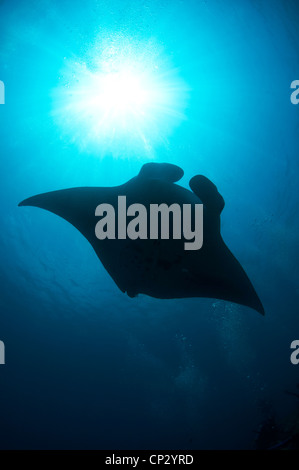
123 102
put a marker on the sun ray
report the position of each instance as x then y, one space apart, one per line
125 99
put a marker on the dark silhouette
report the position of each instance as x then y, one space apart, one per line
159 268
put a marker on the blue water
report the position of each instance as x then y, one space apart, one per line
86 366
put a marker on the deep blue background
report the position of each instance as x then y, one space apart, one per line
87 367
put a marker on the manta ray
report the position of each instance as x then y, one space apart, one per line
159 268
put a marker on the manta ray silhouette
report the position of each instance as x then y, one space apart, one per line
159 268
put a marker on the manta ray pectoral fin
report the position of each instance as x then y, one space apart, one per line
62 202
162 171
75 205
207 193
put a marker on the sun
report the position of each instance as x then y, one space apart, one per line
125 99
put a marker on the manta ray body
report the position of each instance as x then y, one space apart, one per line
157 267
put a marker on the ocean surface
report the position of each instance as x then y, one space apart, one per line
87 367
